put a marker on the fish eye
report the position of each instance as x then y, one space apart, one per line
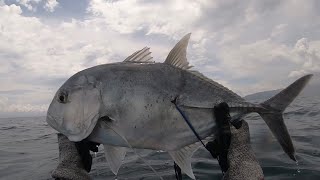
63 97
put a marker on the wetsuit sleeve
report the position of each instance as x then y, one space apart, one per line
71 162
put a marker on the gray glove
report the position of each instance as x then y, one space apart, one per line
71 166
242 161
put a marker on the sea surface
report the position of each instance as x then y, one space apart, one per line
29 150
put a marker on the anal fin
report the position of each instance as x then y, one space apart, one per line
183 158
114 156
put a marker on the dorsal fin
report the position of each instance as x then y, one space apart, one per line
178 58
141 56
178 55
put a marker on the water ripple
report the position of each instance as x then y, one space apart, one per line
29 145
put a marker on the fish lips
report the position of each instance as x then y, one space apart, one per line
73 136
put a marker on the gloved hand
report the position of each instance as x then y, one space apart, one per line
71 160
242 161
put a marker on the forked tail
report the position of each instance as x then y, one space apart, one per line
274 108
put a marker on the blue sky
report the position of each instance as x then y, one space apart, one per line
248 46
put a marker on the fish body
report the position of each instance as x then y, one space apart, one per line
138 99
130 104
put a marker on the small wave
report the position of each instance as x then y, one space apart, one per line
297 112
312 114
8 128
44 136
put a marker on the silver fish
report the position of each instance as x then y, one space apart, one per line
129 104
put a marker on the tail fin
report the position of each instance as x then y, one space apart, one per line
274 108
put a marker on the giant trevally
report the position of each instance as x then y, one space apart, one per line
130 104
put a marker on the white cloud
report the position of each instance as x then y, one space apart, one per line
272 63
11 9
25 3
171 18
29 4
248 46
5 106
278 30
308 57
32 5
32 53
51 5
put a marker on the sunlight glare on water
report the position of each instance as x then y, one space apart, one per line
298 169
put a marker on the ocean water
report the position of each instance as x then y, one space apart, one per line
29 150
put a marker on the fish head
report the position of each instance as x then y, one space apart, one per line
74 110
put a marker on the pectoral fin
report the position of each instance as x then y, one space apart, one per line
114 156
183 158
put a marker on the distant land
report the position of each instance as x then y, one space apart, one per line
310 90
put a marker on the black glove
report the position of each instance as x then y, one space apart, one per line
84 147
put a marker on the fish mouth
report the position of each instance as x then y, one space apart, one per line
52 121
75 137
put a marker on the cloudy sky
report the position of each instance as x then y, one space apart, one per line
248 45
